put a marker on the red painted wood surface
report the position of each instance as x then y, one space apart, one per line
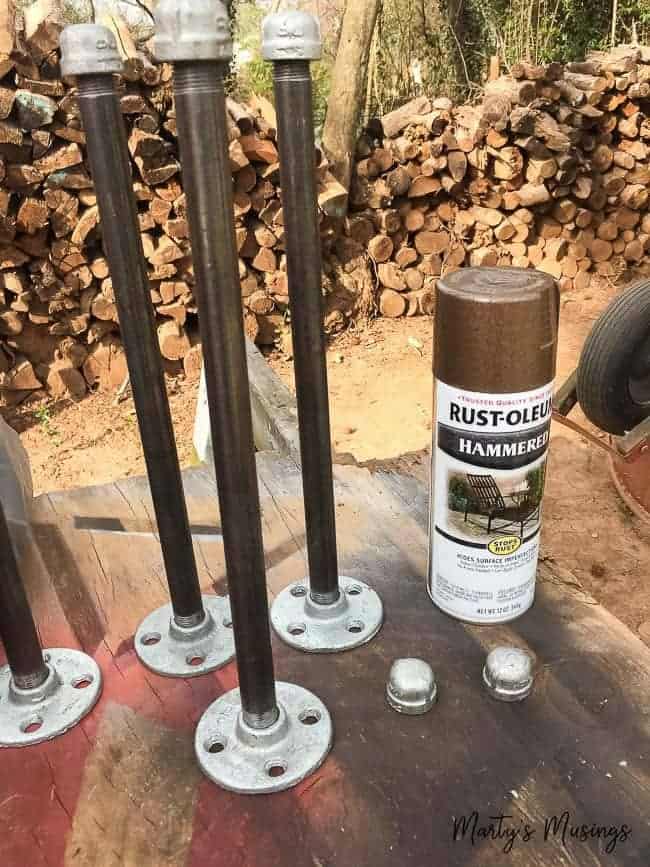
123 787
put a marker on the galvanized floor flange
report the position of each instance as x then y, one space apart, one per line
172 651
259 761
30 716
352 620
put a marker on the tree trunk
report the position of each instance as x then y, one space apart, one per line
455 16
348 86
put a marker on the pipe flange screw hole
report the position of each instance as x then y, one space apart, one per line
251 761
352 620
37 714
176 651
31 724
215 745
276 768
356 626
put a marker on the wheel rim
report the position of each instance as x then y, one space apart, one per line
639 380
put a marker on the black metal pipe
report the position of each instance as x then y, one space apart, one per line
17 627
293 100
109 162
203 140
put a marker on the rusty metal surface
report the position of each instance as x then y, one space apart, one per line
566 397
632 480
603 444
635 442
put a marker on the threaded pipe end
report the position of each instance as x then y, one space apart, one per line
100 84
328 598
291 71
261 720
33 680
189 621
198 77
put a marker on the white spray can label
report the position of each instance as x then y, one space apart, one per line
487 483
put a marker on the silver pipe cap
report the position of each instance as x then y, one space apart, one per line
89 49
508 673
292 35
411 687
192 30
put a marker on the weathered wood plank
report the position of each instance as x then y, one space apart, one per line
393 785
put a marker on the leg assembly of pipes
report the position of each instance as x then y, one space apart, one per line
42 693
327 613
263 736
193 634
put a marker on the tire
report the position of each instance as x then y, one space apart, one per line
614 369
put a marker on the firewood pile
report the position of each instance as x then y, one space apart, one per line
551 170
58 321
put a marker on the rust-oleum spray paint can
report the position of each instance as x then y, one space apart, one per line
494 365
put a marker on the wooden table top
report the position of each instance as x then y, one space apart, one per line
123 790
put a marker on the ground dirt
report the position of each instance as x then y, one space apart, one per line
95 440
381 391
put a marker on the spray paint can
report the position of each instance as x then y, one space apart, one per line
494 365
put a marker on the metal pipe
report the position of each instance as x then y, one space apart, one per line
109 161
335 612
253 739
41 694
293 100
203 138
17 627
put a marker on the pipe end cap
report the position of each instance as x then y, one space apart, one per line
411 687
508 673
89 49
292 35
192 30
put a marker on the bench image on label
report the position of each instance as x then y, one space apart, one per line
496 331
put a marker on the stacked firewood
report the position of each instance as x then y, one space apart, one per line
58 319
551 170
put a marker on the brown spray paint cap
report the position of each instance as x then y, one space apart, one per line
496 329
